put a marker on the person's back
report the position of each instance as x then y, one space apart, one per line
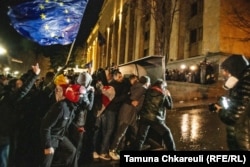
127 118
153 115
155 104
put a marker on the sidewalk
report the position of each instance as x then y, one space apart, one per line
193 104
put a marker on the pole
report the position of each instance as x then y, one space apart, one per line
70 51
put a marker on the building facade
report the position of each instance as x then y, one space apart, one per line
184 31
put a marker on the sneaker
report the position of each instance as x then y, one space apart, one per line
105 157
96 155
114 155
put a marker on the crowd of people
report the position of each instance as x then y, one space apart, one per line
203 73
65 119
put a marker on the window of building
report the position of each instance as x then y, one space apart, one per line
193 36
147 17
194 9
146 35
200 34
200 6
197 7
196 35
146 52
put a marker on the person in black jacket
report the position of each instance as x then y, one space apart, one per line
234 108
153 115
128 113
111 112
54 126
12 97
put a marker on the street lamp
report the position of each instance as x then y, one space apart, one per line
183 66
3 51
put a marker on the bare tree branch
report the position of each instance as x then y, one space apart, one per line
240 18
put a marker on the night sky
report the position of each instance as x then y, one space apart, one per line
10 39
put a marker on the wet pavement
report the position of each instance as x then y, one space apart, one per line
197 130
194 128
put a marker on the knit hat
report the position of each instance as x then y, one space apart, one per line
235 64
62 81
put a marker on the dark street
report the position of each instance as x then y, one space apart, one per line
197 129
193 130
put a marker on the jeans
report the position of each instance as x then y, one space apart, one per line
4 155
109 127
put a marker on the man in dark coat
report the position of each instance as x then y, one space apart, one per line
128 112
111 112
54 126
153 115
234 109
11 98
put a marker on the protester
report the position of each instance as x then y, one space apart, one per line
54 126
153 115
85 104
12 96
111 112
104 93
128 113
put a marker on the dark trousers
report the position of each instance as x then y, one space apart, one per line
120 133
160 128
65 153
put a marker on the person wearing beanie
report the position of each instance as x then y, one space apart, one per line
61 83
234 108
127 117
57 147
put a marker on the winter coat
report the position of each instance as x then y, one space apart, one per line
55 123
8 108
155 105
128 113
237 116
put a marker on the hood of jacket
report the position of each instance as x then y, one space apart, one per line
84 79
235 64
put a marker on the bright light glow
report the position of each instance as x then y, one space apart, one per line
183 66
6 69
193 67
59 68
16 72
2 50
